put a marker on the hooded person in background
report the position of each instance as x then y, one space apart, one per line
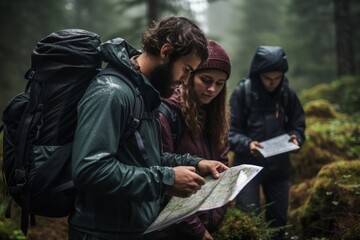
274 110
201 104
119 187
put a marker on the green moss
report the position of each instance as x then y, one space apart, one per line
335 197
328 140
317 151
240 225
344 94
321 108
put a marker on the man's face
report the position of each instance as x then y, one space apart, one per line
167 76
271 80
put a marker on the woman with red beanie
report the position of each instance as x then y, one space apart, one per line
201 105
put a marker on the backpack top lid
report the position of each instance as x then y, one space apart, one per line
63 53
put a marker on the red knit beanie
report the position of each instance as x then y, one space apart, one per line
217 59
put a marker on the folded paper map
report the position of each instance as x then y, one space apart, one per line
277 145
213 194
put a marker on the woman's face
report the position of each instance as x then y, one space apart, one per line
208 84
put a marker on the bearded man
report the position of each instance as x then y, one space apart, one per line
119 192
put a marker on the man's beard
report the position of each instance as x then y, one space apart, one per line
162 80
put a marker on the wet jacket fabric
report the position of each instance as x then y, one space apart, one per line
194 226
119 191
270 115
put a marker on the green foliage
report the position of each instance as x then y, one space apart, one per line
333 207
8 229
249 226
343 93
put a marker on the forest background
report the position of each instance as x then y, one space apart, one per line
321 38
322 42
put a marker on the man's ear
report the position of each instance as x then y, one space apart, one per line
165 51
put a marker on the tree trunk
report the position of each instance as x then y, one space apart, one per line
153 10
344 48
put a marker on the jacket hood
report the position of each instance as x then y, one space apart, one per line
268 59
118 52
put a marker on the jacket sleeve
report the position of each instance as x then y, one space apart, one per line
239 142
192 227
195 225
224 155
103 114
296 118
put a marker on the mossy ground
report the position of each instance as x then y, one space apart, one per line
324 197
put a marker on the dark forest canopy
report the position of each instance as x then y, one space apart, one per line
321 38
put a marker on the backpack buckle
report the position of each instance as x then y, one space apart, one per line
30 74
134 123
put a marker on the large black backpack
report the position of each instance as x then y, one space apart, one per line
39 124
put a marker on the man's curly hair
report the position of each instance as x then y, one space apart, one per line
183 34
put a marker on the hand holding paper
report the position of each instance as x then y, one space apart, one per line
277 145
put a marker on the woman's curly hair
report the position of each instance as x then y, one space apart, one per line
214 117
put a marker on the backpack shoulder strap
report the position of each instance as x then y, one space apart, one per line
246 94
284 101
174 120
138 110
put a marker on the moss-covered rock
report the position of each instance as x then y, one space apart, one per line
344 94
331 136
317 151
239 225
333 207
322 109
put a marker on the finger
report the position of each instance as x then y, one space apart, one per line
199 180
192 169
215 173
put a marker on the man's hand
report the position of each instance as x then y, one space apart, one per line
187 182
206 167
294 140
253 145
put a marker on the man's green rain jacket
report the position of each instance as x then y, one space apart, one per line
119 192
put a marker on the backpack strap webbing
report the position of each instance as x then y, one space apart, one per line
174 120
248 95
